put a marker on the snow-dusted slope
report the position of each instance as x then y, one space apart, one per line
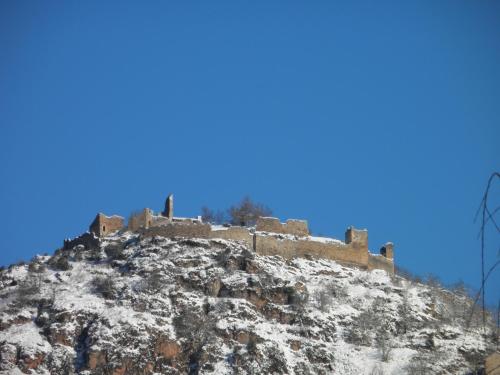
211 306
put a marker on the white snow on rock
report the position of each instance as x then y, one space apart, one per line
242 312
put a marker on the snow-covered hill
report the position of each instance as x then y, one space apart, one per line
145 306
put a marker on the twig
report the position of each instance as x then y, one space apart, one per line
483 207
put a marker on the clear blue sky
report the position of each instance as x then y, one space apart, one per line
382 115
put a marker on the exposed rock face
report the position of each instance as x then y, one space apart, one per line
133 305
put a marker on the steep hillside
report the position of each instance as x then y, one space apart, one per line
145 306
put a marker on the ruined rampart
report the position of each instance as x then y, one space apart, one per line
141 219
273 225
104 225
380 262
270 237
178 229
235 234
88 240
288 248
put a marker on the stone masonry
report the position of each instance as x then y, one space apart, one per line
169 207
269 237
104 225
272 224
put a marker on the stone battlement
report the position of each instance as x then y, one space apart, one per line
269 237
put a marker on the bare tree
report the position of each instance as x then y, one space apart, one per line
246 212
486 215
324 300
211 216
418 365
377 370
384 342
105 285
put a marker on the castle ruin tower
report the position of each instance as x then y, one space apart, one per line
169 207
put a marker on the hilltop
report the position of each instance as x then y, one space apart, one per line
135 304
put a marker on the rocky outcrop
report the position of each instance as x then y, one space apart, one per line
146 305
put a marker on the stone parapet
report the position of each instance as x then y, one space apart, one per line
235 234
289 248
273 225
380 262
178 229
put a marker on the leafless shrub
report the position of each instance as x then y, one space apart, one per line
384 343
154 282
406 321
275 363
433 281
407 274
367 322
323 300
252 347
198 329
377 370
29 288
60 362
298 299
214 217
36 266
359 332
59 261
115 251
105 285
475 359
418 365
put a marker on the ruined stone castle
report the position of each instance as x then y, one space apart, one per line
269 236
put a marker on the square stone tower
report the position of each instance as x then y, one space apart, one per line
357 238
104 225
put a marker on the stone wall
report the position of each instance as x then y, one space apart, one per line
178 229
388 251
290 239
104 225
357 238
380 262
235 234
87 240
353 252
273 245
142 219
273 225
